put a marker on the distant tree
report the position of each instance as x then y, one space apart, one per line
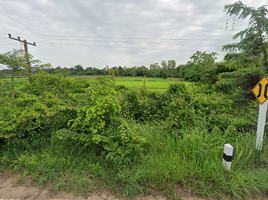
171 67
195 69
116 72
107 67
13 60
252 45
154 67
181 70
106 70
163 74
120 71
128 71
111 73
97 71
203 59
143 70
63 72
133 71
164 65
89 71
79 69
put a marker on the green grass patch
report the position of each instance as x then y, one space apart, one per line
194 158
17 81
152 84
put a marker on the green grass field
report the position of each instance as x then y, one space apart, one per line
155 84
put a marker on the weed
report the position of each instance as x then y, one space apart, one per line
21 180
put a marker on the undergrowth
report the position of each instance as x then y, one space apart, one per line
95 136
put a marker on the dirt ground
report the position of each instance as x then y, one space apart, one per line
11 188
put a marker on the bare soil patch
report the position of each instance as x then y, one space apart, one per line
16 187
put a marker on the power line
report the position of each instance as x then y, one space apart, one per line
128 47
126 40
105 46
118 37
131 42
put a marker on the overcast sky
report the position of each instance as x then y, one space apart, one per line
96 33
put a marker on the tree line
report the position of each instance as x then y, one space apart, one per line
199 62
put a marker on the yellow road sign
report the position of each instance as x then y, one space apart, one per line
260 90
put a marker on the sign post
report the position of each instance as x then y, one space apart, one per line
261 124
261 93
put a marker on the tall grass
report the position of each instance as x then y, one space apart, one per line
189 157
194 158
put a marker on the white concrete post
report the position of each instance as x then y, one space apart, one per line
227 156
261 124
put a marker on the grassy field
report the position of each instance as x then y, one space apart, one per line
155 84
18 81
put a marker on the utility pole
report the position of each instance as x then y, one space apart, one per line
26 54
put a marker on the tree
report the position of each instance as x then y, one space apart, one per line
120 71
203 58
17 60
252 45
171 67
79 69
154 67
14 61
164 65
116 72
196 68
111 73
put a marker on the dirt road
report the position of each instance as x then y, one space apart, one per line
12 188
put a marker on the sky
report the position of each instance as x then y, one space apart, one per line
96 33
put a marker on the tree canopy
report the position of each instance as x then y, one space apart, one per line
253 40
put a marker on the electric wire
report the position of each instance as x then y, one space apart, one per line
116 37
159 41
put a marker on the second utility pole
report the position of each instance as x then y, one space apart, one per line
26 54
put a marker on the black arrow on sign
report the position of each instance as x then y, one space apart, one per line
265 91
260 90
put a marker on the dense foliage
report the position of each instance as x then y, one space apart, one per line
120 130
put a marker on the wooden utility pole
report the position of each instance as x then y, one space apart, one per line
26 54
